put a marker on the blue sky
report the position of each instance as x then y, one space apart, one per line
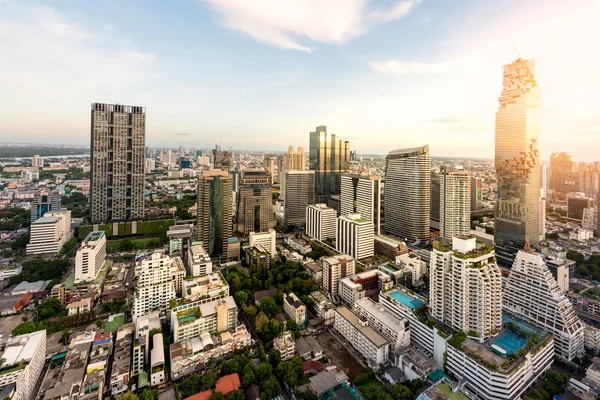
263 73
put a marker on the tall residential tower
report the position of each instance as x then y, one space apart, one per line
362 194
455 202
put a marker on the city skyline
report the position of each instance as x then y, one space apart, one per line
390 93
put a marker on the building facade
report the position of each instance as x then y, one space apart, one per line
334 269
266 240
299 194
214 205
329 157
455 202
321 222
355 236
46 200
294 308
517 161
406 193
362 194
155 286
117 165
90 257
254 203
395 330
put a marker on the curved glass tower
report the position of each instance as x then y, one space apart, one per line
516 216
406 193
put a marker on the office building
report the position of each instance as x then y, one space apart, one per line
395 330
406 193
269 165
362 285
222 159
299 194
90 257
49 233
254 205
23 359
476 192
44 201
334 269
542 219
117 165
389 247
203 318
466 287
435 201
158 275
295 309
321 222
362 194
355 236
455 202
266 240
517 163
214 224
199 262
564 178
590 181
292 160
533 294
329 157
371 345
168 158
576 204
37 161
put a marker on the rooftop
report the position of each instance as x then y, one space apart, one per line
367 331
444 391
94 236
406 298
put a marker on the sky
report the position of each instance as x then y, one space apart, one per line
262 74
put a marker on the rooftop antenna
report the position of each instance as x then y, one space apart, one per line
515 52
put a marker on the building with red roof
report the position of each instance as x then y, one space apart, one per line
228 384
200 396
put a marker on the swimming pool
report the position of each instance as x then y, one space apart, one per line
407 301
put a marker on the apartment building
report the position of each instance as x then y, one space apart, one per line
90 257
193 319
23 361
294 308
266 240
334 269
286 345
321 222
395 330
365 284
156 285
198 261
355 236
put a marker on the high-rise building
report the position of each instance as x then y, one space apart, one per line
564 178
118 140
355 236
362 194
222 159
533 294
37 161
516 216
542 221
300 193
435 201
455 202
214 224
292 160
590 181
320 222
476 192
407 193
254 205
576 203
44 201
23 358
329 158
270 162
466 287
198 261
334 269
49 233
90 257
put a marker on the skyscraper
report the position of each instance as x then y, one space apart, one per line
300 193
118 137
354 236
321 222
362 194
214 212
434 215
44 201
476 192
564 178
329 158
455 202
406 193
292 160
254 208
516 216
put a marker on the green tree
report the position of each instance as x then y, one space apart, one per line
261 322
305 395
575 256
401 392
149 394
248 376
49 308
236 395
270 388
263 372
274 358
217 396
269 307
583 271
242 298
129 396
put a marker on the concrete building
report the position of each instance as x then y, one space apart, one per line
576 204
157 361
517 162
389 247
266 240
364 284
80 306
254 203
466 287
49 233
476 192
395 330
90 257
141 346
193 319
294 308
329 158
23 361
121 361
155 286
321 222
28 176
285 344
299 194
406 193
455 202
532 293
292 160
37 161
323 308
560 271
371 345
198 261
44 201
412 263
355 236
117 162
214 212
334 269
361 194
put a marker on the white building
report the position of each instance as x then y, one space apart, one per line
193 319
149 165
155 286
157 361
49 233
412 263
323 308
90 257
199 262
355 236
466 287
30 175
286 345
370 344
37 161
27 355
395 330
364 284
266 240
294 308
334 269
320 222
362 194
455 202
141 345
591 333
532 293
204 288
80 306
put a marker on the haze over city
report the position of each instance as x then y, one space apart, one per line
382 74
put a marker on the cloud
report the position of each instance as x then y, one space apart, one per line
393 67
296 24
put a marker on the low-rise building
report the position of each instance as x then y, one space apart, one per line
189 320
80 306
294 308
308 348
90 257
285 344
389 247
266 240
121 361
323 308
198 260
157 361
395 330
315 270
365 284
256 255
